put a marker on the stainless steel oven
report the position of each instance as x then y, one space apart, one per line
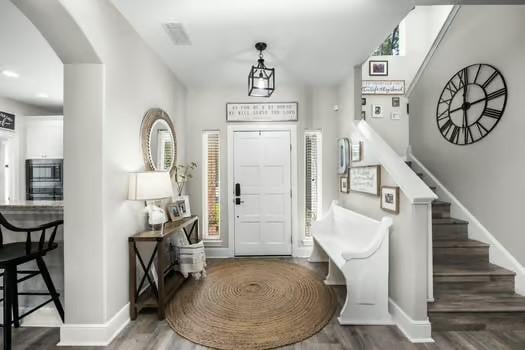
44 179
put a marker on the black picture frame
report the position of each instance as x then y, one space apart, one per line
373 68
396 101
363 101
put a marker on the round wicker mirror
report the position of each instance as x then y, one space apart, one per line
159 143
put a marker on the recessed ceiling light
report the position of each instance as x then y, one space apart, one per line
10 73
42 95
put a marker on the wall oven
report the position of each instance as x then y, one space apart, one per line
44 179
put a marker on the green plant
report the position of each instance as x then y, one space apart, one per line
183 175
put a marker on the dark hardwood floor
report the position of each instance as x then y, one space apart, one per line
149 333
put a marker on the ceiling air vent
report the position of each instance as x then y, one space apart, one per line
177 33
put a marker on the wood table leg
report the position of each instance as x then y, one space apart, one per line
160 273
132 281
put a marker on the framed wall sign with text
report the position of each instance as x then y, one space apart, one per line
383 87
262 112
7 121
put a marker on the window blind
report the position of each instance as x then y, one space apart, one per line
212 183
312 178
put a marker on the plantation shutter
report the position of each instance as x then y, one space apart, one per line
312 179
213 184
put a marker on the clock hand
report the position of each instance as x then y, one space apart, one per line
472 103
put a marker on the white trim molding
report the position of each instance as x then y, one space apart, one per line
94 334
416 331
498 254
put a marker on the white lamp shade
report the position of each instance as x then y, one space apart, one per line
149 185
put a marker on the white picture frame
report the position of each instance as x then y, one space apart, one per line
395 116
356 151
343 153
377 111
366 179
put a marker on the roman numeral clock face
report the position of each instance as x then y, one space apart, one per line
471 104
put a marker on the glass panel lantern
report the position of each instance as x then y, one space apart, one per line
261 80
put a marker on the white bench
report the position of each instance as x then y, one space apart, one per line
356 248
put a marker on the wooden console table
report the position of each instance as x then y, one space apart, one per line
156 295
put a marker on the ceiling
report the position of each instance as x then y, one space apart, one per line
315 42
24 50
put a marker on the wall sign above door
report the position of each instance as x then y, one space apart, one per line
383 87
262 112
7 121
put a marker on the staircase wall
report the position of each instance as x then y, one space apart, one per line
486 177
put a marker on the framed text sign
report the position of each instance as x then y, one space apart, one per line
7 121
262 112
366 179
383 87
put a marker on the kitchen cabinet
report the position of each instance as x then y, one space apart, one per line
44 137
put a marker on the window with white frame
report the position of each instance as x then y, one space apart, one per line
313 178
391 46
211 185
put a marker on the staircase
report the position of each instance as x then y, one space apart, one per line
470 293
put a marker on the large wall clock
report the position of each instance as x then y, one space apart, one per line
471 104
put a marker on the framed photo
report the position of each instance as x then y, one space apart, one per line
356 152
363 115
174 211
7 121
390 199
366 179
343 147
377 111
343 184
396 102
363 101
395 116
378 68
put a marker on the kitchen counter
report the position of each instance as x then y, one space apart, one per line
31 205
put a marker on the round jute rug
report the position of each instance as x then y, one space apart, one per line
252 304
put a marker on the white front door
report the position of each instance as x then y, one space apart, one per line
262 208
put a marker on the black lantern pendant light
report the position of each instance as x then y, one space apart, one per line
261 81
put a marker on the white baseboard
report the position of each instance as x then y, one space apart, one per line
415 331
302 252
94 334
498 254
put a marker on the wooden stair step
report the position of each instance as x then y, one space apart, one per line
479 303
460 252
421 175
449 229
470 270
440 209
409 163
477 312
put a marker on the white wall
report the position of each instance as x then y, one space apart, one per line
486 176
207 111
418 31
16 142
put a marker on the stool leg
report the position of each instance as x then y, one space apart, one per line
14 296
7 309
50 286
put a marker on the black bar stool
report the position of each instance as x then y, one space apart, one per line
14 254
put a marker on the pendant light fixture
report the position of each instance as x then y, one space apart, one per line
261 80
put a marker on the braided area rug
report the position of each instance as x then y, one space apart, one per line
252 304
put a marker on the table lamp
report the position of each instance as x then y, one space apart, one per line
151 186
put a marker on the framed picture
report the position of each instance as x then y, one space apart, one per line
383 87
262 112
343 184
377 111
395 116
363 115
174 211
366 179
7 121
343 147
390 199
378 68
356 152
363 101
396 102
408 108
